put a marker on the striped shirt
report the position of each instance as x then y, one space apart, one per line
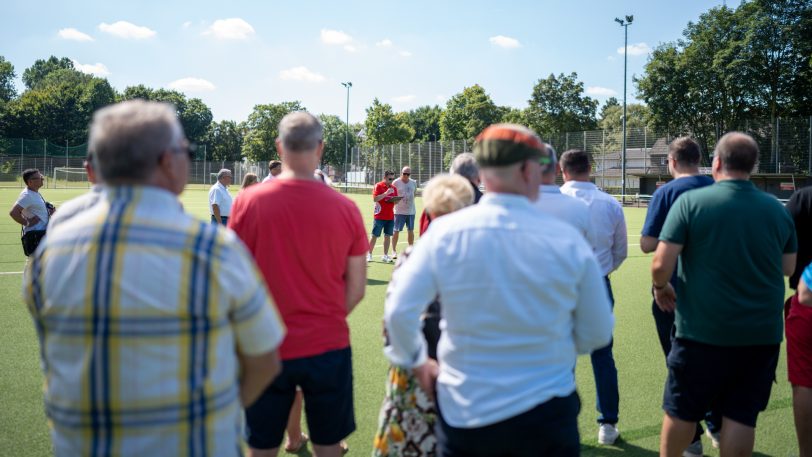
140 310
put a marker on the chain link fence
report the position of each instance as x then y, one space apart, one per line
785 144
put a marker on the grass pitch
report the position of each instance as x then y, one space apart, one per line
641 367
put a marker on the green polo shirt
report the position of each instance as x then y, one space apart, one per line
730 287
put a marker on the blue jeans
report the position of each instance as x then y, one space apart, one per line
603 367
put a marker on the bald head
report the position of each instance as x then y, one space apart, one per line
300 132
737 152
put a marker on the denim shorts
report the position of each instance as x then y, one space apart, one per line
404 219
381 225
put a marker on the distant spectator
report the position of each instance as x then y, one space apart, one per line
317 274
249 180
553 202
274 168
385 196
464 165
153 342
220 200
404 209
31 210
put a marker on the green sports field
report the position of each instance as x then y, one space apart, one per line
24 432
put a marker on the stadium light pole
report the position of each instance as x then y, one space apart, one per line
347 133
625 23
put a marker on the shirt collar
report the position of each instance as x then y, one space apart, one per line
549 189
581 185
507 200
160 198
742 184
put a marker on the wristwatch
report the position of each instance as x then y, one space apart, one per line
655 286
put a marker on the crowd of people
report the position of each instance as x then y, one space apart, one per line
164 335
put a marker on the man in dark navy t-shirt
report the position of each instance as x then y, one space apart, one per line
683 164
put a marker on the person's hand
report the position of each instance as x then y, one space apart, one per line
389 191
666 298
426 375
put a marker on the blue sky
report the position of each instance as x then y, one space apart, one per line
236 54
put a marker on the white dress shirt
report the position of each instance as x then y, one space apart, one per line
218 194
566 208
269 178
608 226
521 296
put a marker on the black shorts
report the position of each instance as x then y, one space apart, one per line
733 381
326 382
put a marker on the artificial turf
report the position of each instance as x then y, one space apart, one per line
641 368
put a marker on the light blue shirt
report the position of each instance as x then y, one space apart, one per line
566 208
521 296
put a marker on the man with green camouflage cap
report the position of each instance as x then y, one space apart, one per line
522 296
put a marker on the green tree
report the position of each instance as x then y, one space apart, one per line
334 131
262 129
637 116
194 115
425 121
558 105
7 90
512 115
382 126
224 141
41 68
607 105
468 113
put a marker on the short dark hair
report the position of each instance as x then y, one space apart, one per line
27 174
685 150
273 164
575 161
387 173
737 151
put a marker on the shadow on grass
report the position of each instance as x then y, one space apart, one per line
376 282
619 448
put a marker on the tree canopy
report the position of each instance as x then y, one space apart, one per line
262 129
558 105
468 113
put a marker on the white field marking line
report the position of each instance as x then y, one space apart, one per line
379 247
11 272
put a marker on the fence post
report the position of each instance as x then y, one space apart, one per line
22 156
603 165
420 161
809 151
45 158
777 145
442 157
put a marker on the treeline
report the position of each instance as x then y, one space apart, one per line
731 65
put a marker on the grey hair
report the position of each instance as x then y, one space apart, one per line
465 166
128 138
446 193
223 172
300 131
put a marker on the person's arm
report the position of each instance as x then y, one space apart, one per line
648 243
16 213
788 263
804 292
215 209
356 280
593 319
258 371
380 197
620 242
662 268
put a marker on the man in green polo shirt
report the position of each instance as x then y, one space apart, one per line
735 244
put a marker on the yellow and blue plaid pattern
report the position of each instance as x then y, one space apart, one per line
140 311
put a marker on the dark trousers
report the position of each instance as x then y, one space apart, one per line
549 429
666 332
223 220
603 367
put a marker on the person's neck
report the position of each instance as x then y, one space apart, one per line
297 173
685 173
32 189
731 176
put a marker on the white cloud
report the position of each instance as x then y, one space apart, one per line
385 43
300 74
405 53
186 25
124 29
639 49
335 37
505 42
230 29
74 35
191 85
404 99
600 91
97 69
350 48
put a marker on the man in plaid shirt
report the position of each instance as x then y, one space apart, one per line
155 328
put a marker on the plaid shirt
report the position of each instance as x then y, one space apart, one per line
140 311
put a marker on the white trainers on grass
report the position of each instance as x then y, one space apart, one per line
714 437
369 257
607 434
694 450
386 259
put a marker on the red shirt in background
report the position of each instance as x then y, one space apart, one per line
301 234
384 209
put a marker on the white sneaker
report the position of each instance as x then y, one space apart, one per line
714 437
369 257
694 450
385 258
607 434
394 254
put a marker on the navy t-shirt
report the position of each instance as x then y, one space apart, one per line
663 199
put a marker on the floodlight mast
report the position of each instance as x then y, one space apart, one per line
347 84
625 24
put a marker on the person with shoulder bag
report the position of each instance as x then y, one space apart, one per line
32 211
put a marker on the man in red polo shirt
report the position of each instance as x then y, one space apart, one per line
316 274
385 196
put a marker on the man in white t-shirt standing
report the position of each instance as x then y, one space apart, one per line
30 209
274 169
404 209
219 198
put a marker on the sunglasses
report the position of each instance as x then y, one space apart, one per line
406 174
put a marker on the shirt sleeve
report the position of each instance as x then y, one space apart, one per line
807 276
655 217
675 228
620 242
593 317
410 292
214 197
257 326
25 200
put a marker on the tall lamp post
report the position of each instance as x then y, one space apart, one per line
346 133
625 24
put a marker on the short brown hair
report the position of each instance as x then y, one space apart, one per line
685 150
737 151
575 161
273 164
